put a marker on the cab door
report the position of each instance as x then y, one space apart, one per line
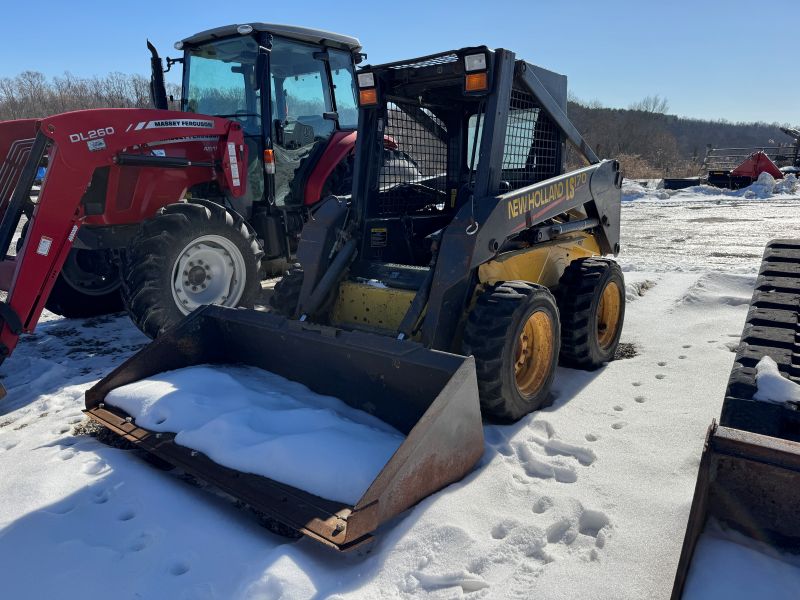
302 113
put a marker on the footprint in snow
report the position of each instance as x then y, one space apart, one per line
682 356
636 383
463 579
640 399
618 425
545 456
662 363
542 505
101 497
66 454
501 530
619 408
95 466
686 346
126 515
142 541
591 437
660 376
179 568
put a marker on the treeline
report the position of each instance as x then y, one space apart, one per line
651 143
30 94
644 138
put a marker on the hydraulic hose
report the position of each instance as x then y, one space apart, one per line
331 277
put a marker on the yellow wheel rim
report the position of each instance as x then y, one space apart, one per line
608 315
533 354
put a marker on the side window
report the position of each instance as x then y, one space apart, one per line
300 94
344 88
471 139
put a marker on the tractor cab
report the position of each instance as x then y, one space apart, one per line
292 90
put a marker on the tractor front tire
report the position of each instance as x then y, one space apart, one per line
88 286
286 295
513 332
189 255
591 299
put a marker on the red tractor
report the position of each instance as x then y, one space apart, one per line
158 211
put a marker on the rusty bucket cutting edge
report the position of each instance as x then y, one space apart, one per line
430 396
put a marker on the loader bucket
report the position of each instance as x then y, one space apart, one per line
748 483
749 473
430 396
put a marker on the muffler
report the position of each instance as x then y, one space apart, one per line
429 396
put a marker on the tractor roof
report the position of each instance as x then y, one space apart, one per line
303 34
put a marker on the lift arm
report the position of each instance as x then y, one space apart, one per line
76 144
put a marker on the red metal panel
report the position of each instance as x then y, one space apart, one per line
755 164
16 138
342 143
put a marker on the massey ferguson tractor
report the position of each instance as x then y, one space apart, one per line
159 211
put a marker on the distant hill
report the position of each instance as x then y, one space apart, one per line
650 143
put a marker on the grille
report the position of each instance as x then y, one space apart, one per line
431 61
533 143
417 154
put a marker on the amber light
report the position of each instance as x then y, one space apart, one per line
366 97
269 162
475 82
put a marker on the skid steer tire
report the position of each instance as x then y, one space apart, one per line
591 300
222 260
287 292
513 332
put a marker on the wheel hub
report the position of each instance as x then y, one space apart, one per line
209 270
91 272
608 312
533 354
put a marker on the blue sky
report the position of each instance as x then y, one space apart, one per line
711 59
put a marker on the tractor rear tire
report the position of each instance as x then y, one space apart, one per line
286 296
591 299
513 332
188 255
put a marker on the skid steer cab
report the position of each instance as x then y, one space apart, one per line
160 236
431 297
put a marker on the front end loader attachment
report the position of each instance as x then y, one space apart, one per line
749 473
431 397
85 152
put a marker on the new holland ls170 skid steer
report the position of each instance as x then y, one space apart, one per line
289 90
423 297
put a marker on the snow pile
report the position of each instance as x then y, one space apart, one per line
636 190
733 567
772 386
257 422
788 185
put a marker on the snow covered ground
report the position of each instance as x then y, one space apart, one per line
585 499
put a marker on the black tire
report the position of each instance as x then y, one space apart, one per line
587 341
286 295
492 335
154 255
68 299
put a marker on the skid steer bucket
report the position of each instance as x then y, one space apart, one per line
749 473
429 396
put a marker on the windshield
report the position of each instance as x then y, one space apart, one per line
221 81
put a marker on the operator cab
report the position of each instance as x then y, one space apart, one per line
302 79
